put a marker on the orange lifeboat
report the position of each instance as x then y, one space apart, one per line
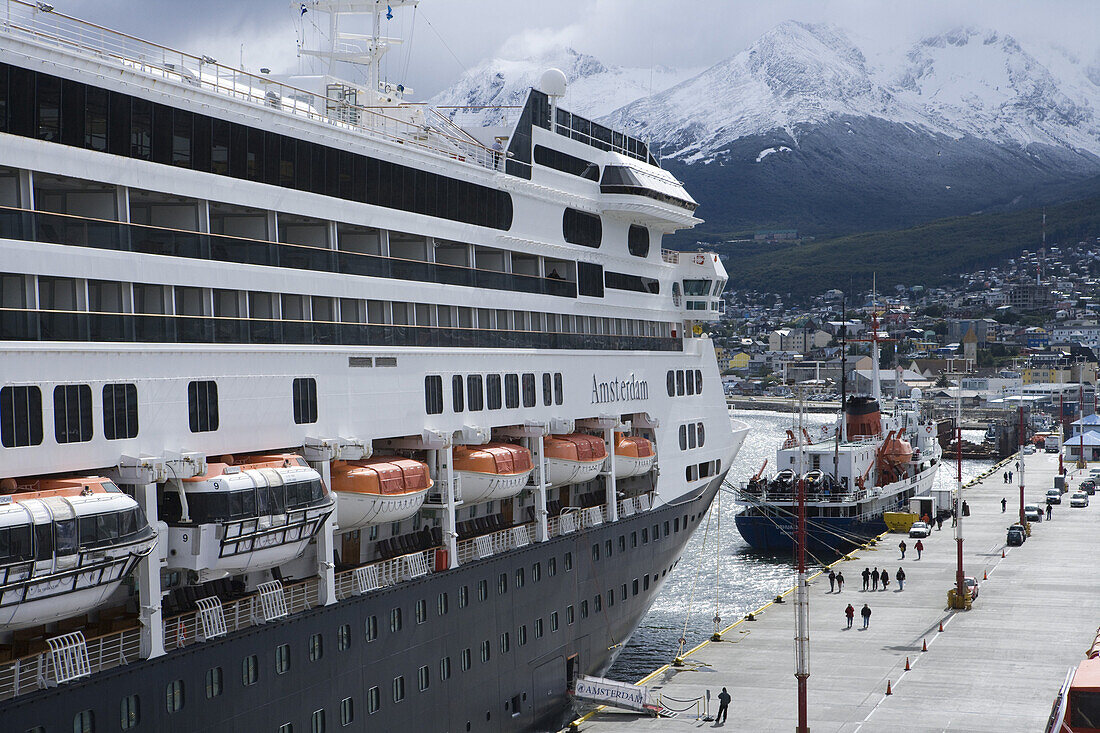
893 455
492 471
634 455
573 458
378 490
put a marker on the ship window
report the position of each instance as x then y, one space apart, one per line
519 577
590 279
521 634
568 562
645 536
584 609
304 394
463 596
622 543
552 564
282 659
485 651
690 383
502 584
482 590
637 240
317 722
202 406
83 722
580 227
316 647
536 572
15 544
65 536
698 381
445 668
48 107
529 390
474 390
374 700
645 582
622 592
597 603
120 411
554 621
286 728
492 391
395 619
505 642
683 437
559 394
511 391
596 552
538 628
421 611
174 696
250 670
607 548
679 382
129 713
670 382
347 711
700 433
442 604
72 413
465 659
456 393
433 394
20 416
371 627
343 637
213 682
610 598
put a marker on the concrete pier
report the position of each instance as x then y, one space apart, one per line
996 667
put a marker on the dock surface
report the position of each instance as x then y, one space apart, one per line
996 667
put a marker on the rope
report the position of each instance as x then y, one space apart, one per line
691 596
718 563
463 66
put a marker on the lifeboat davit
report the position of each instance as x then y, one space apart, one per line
65 547
492 471
378 490
634 455
573 458
243 515
893 455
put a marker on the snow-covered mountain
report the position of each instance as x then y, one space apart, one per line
594 90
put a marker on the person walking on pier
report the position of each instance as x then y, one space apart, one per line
1050 511
901 546
919 547
723 707
901 579
850 612
1004 504
865 612
840 582
832 580
874 578
866 578
885 575
939 523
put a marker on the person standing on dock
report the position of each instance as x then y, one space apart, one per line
919 547
1050 511
840 582
874 578
866 578
901 579
1004 504
939 523
866 614
832 580
901 546
723 707
885 576
850 612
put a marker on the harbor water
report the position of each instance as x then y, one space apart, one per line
719 574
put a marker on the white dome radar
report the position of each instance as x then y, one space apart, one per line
553 82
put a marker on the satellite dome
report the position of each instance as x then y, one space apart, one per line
553 82
917 394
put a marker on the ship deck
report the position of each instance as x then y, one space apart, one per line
996 667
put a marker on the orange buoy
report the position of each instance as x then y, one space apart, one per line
907 664
888 691
941 625
924 645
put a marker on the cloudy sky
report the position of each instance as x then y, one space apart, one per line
448 36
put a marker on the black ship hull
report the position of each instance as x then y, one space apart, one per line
553 629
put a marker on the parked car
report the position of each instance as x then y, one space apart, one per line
972 584
1054 496
1051 448
1088 486
920 529
1029 450
1016 535
1079 498
1033 513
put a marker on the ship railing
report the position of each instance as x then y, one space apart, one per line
41 24
375 575
670 256
495 543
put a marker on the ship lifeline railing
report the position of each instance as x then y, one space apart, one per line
35 672
40 23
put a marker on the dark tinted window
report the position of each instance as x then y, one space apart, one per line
511 391
202 406
120 411
456 393
492 391
20 416
566 163
433 394
637 240
580 227
590 279
474 392
559 394
529 398
72 413
304 396
547 390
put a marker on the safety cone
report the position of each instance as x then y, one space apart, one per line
941 625
907 664
924 645
985 575
1002 552
888 690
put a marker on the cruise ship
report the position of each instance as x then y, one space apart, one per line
361 418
